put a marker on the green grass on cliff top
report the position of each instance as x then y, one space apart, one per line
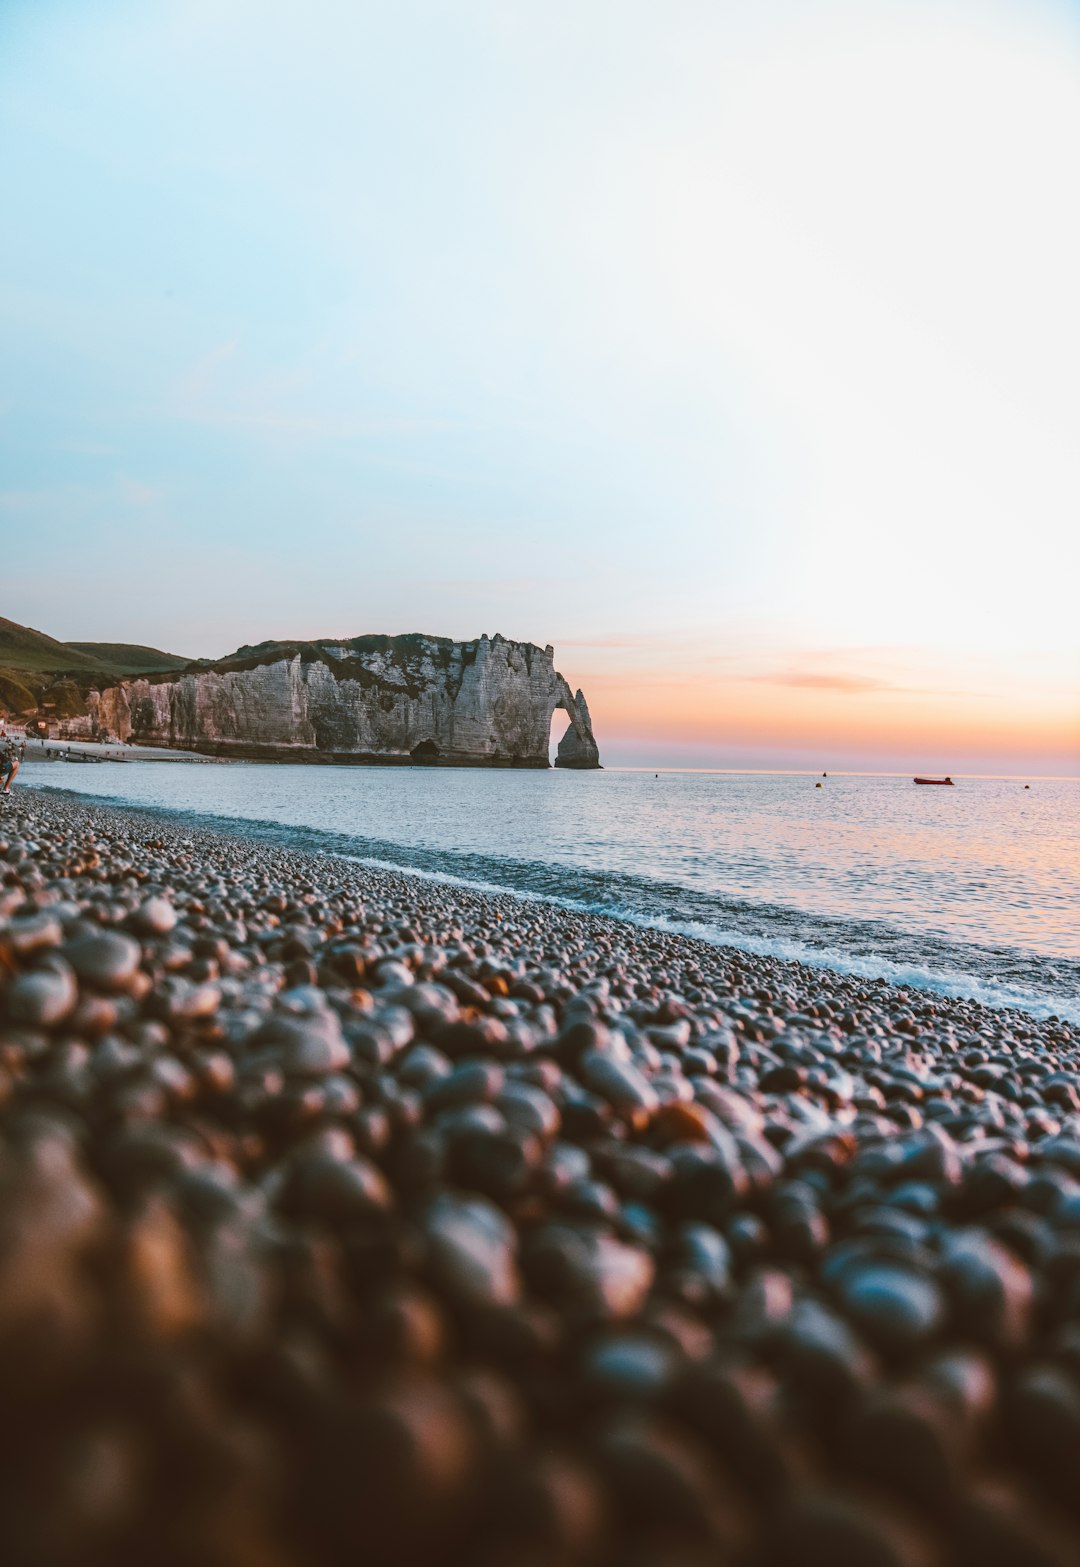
129 658
33 652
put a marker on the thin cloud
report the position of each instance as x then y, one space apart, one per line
848 683
135 493
855 685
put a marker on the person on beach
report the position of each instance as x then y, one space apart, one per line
9 765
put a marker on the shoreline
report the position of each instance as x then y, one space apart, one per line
492 902
940 970
401 1222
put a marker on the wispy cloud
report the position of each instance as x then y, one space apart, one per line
854 685
136 493
848 682
204 374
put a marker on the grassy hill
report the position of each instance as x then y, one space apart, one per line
129 658
37 671
23 648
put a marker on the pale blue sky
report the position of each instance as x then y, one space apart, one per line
729 347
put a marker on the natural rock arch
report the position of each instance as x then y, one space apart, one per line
578 747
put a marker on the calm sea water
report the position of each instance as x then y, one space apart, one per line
969 891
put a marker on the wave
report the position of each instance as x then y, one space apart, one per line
998 977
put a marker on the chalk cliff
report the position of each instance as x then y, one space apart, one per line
487 703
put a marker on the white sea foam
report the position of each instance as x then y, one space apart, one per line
954 983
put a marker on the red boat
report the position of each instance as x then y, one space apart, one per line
934 780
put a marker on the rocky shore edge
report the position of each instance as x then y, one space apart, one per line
346 1215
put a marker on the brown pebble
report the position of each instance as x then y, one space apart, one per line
43 998
108 961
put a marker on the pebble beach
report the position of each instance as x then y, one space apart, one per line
347 1216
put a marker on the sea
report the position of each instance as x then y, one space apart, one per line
971 891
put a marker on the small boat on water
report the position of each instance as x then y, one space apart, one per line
934 780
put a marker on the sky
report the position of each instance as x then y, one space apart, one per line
732 348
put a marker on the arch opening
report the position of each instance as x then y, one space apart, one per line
559 726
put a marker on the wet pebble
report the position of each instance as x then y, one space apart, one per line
43 998
894 1308
108 961
471 1250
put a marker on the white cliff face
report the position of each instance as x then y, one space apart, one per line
382 699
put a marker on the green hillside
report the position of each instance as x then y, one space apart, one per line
38 673
23 648
129 658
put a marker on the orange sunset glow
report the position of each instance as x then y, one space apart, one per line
810 714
